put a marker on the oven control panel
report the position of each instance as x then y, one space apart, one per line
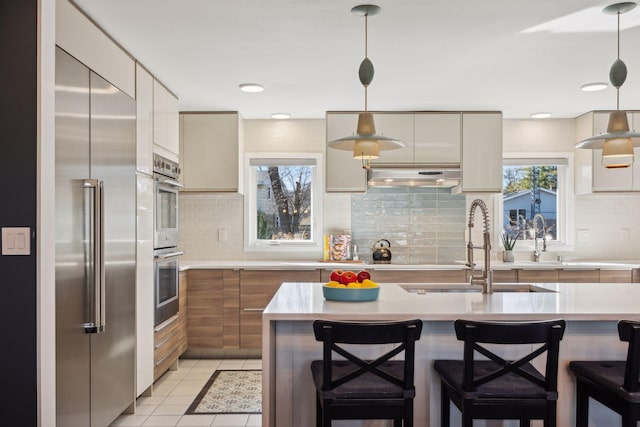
166 167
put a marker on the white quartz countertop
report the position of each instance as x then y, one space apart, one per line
570 301
455 265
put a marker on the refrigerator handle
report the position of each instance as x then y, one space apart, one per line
103 282
96 309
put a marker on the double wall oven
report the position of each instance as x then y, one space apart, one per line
165 242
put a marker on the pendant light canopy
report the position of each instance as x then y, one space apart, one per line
366 143
618 142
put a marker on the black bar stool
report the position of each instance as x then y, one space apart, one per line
612 383
359 389
497 388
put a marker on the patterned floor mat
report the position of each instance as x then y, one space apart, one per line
230 392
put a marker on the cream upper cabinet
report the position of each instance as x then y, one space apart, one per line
343 173
617 179
211 151
398 126
636 155
144 120
437 138
165 122
481 152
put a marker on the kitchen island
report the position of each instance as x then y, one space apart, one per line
591 311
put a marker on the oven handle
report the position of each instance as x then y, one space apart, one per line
169 255
170 182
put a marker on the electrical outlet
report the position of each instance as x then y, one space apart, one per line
222 234
582 235
625 234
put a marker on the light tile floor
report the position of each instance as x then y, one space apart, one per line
174 392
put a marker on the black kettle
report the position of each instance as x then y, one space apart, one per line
381 252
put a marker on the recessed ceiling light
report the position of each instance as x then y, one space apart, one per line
251 87
280 116
540 115
592 87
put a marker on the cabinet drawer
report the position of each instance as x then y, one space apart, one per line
505 276
616 276
579 276
525 275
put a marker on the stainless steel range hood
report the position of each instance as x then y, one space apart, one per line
443 176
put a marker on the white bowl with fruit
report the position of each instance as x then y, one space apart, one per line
351 286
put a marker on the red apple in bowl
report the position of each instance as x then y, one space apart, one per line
335 275
348 277
363 275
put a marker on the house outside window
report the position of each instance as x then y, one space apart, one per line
282 202
537 185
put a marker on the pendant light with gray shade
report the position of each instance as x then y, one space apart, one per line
366 144
618 142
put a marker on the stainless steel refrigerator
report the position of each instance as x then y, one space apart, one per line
95 247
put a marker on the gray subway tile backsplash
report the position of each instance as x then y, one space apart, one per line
423 225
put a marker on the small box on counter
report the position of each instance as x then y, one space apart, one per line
337 247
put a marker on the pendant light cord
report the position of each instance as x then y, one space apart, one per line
618 88
366 42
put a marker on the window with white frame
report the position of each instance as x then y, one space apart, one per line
540 187
282 201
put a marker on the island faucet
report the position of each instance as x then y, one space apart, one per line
486 279
536 250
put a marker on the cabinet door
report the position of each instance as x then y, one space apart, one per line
618 179
210 158
398 126
173 141
481 152
419 276
160 95
257 287
144 120
205 298
144 283
437 138
343 173
635 184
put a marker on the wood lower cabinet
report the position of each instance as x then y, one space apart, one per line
505 276
578 276
213 318
536 275
257 287
635 275
170 337
616 276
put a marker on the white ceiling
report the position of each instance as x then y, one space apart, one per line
517 56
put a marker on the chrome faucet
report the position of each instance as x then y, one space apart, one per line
486 279
536 250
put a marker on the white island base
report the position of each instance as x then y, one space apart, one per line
591 311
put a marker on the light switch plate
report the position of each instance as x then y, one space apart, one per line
16 241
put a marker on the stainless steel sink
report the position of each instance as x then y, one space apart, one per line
424 288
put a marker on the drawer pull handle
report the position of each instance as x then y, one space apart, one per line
253 309
164 341
159 362
166 323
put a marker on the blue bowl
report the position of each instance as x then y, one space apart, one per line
350 294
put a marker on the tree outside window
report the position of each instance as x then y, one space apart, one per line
527 191
283 202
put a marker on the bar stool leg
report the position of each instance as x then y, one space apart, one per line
445 411
582 404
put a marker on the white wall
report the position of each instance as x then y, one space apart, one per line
599 217
203 214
